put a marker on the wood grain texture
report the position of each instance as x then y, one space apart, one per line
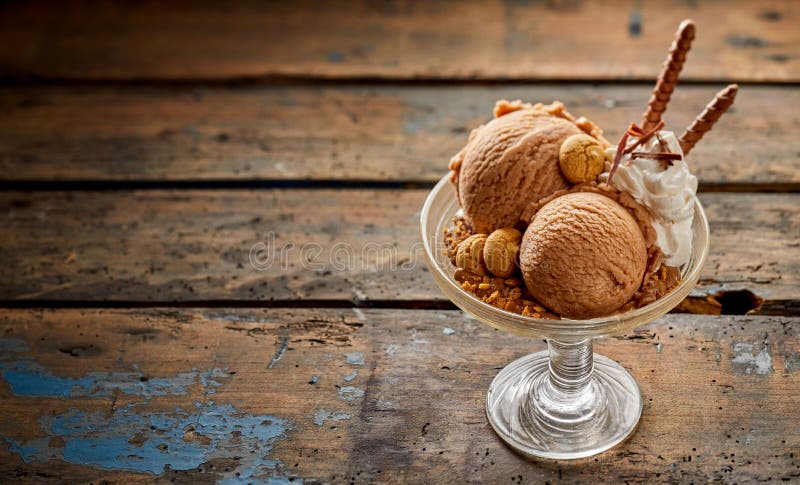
346 245
719 394
374 133
736 40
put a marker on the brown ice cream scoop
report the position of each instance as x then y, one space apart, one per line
583 255
500 251
470 254
512 161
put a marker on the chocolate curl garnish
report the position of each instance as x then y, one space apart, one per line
617 157
644 137
703 123
657 155
668 78
666 158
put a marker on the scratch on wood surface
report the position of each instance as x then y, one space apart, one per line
284 343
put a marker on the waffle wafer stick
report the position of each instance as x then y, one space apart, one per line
668 78
705 121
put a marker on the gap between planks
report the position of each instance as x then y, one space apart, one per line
316 80
730 302
325 184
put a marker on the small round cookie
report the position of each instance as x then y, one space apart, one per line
469 255
500 251
581 158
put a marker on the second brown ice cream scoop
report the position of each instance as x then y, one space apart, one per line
583 255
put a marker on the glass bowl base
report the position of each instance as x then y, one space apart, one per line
539 422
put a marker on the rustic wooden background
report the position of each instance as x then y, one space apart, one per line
145 148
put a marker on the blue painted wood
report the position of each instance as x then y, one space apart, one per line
132 437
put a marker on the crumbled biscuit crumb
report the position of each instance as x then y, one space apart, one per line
497 293
453 236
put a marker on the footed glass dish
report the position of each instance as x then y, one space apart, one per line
566 402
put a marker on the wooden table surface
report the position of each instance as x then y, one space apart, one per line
148 150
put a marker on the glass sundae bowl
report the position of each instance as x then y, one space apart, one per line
566 402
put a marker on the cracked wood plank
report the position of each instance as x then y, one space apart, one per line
721 389
474 40
307 245
375 133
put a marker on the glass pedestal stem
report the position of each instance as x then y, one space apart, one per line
567 400
571 365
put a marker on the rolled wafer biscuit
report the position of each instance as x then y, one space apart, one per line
668 78
703 123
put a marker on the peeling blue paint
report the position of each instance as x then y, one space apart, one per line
354 358
751 358
276 481
26 377
392 349
791 362
132 439
235 317
349 393
410 127
191 130
29 378
352 375
335 57
30 448
322 415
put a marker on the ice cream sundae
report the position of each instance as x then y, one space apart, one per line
557 222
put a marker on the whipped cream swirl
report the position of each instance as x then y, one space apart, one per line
668 193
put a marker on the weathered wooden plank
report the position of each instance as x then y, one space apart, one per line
738 40
382 133
374 395
346 245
